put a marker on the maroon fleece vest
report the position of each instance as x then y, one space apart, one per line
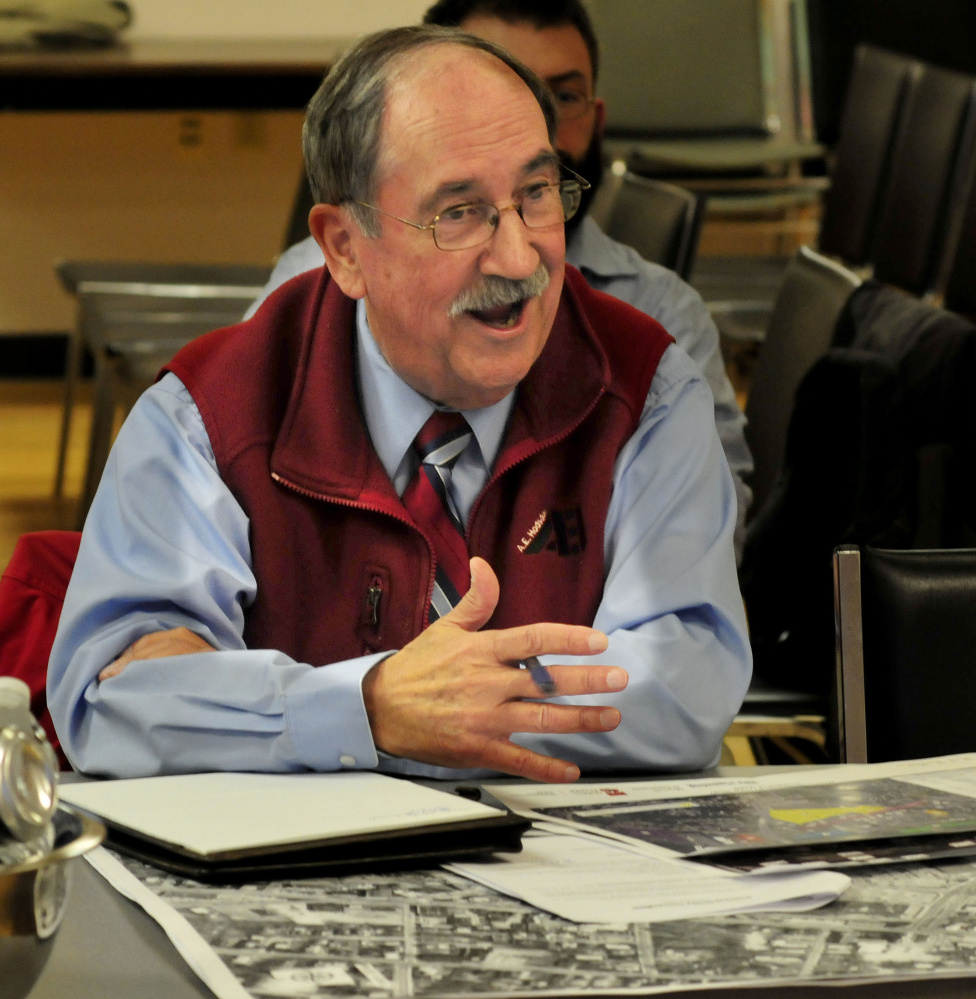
341 568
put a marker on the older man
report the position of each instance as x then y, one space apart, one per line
555 39
290 507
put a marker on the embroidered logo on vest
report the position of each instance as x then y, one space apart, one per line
559 531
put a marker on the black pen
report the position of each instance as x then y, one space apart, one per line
540 675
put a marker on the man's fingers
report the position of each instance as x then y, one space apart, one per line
529 716
509 758
116 667
575 680
478 604
157 645
569 681
513 644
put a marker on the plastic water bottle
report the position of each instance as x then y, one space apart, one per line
28 777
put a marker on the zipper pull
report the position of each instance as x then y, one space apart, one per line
371 614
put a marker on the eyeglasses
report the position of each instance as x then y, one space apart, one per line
539 206
571 104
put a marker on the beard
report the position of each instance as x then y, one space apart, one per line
589 166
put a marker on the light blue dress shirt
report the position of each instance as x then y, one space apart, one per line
166 545
619 270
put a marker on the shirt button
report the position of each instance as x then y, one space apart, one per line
347 761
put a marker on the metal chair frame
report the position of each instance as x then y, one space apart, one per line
163 303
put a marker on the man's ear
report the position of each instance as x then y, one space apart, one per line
600 111
338 236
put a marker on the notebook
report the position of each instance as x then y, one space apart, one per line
242 826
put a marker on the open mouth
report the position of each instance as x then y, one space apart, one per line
500 317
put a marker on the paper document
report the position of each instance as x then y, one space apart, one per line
197 953
588 881
220 813
770 815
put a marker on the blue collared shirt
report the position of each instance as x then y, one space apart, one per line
166 545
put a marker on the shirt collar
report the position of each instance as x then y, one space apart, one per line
395 412
592 251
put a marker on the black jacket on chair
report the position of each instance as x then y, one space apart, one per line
881 450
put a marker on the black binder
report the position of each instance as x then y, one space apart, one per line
392 850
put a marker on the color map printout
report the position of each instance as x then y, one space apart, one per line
858 810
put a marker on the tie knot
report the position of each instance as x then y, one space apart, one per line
442 439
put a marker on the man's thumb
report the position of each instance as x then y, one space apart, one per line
478 604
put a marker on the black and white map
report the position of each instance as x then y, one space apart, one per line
435 934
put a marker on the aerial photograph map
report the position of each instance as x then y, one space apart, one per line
431 933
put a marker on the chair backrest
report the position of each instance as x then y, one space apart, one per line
906 631
868 127
697 67
662 222
152 318
801 329
959 285
184 280
930 154
297 229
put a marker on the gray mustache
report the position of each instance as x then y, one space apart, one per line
493 291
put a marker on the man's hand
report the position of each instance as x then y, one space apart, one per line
451 696
156 645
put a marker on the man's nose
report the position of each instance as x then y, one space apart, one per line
510 251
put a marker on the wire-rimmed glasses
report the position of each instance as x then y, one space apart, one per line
539 206
571 104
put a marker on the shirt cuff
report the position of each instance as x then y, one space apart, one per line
326 717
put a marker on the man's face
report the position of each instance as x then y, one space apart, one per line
459 127
560 57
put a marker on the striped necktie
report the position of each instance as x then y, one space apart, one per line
428 498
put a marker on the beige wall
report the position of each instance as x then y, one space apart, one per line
269 18
131 187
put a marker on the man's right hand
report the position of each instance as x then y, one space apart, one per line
451 697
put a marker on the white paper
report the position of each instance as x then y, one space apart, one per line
588 881
525 798
962 782
211 814
197 953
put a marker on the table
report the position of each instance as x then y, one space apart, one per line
108 948
168 75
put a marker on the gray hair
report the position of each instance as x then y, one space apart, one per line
343 121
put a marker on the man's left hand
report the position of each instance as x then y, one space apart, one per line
156 645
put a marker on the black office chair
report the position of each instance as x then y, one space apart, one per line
301 206
959 281
930 156
872 111
801 329
862 157
906 635
662 222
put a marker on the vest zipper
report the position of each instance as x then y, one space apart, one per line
321 497
374 594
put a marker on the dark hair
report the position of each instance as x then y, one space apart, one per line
344 120
540 13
